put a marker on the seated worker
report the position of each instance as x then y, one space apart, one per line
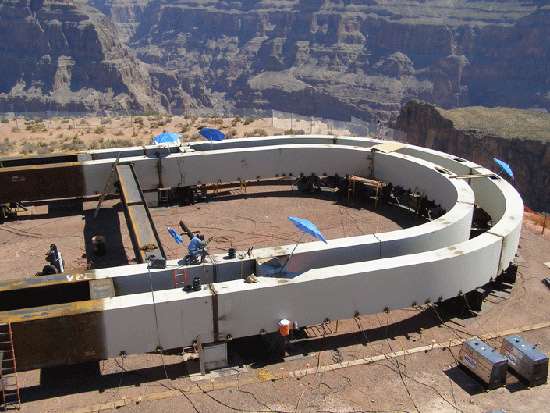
53 256
55 260
197 249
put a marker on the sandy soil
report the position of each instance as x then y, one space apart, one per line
259 218
233 219
21 136
26 240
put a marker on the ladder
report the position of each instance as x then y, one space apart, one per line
107 185
181 278
9 385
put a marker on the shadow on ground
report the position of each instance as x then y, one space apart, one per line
107 224
251 351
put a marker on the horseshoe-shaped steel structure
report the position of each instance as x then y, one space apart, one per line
136 309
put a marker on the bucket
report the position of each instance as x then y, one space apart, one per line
99 247
284 327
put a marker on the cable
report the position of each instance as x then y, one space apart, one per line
121 366
123 370
455 330
419 382
400 373
154 304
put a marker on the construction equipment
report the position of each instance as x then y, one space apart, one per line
524 358
186 230
164 196
484 361
10 210
309 183
9 385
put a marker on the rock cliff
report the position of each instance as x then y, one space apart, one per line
520 138
332 58
345 57
66 56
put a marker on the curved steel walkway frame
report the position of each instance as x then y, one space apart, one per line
348 276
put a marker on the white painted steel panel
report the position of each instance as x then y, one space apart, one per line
454 164
130 323
266 162
452 228
339 292
262 141
364 284
404 170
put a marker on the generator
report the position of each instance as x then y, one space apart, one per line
525 359
484 361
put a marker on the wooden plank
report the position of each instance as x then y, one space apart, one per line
366 181
388 147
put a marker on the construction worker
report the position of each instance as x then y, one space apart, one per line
197 249
53 256
55 260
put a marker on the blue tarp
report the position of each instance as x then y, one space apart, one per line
166 137
307 227
212 134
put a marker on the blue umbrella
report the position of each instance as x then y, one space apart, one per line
212 134
177 237
166 137
308 227
505 167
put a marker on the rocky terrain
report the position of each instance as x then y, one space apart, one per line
518 137
332 58
67 56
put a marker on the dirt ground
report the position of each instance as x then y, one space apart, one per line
58 134
27 239
315 377
259 218
232 219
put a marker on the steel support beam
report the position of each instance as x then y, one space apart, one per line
143 233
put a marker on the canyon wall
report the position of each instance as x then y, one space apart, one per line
341 58
66 56
332 58
520 138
